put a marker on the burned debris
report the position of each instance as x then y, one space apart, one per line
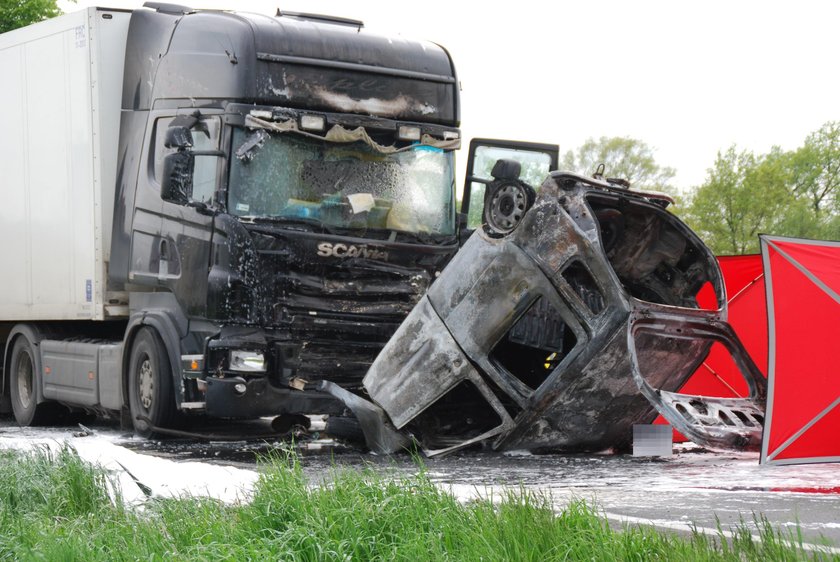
559 326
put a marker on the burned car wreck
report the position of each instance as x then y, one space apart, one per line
568 318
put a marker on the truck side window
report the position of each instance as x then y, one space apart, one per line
205 174
205 137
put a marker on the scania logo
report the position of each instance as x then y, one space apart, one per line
328 249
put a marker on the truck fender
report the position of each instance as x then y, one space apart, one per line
34 335
166 327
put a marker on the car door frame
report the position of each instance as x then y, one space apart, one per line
552 150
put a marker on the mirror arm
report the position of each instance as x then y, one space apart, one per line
479 180
203 208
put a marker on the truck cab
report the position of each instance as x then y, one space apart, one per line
286 194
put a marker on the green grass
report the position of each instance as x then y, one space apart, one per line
54 506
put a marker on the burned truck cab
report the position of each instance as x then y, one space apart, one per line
285 197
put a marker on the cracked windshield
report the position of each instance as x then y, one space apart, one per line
341 185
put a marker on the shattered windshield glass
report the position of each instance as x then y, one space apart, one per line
350 185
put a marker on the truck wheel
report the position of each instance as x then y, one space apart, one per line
23 380
150 384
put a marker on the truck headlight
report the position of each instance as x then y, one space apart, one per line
247 361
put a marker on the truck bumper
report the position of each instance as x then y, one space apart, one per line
225 399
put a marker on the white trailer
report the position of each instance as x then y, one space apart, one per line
58 161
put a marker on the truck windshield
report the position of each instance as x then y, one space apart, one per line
346 185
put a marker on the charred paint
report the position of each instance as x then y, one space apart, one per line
565 332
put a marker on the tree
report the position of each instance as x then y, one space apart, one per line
794 193
746 195
816 170
20 13
623 157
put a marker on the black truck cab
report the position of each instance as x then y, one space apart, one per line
285 195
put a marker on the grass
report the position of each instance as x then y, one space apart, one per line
54 506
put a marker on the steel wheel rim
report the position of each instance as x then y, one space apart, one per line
145 384
507 208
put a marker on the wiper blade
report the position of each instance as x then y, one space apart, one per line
386 234
315 224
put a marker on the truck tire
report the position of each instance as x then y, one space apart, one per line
150 384
24 377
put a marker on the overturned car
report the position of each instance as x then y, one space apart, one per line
567 318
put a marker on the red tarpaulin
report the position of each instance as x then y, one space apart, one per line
803 402
744 280
718 375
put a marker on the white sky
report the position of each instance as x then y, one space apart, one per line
688 78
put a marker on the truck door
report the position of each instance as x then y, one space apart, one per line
186 217
535 159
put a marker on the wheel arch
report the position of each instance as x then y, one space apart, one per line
34 335
166 328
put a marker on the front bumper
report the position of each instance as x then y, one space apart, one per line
260 398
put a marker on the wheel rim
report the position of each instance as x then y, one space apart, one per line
25 377
146 384
507 208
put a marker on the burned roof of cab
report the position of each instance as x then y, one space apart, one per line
286 61
290 36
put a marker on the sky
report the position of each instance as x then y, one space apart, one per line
687 78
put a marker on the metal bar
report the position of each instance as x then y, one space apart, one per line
339 65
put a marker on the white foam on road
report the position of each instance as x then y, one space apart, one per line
133 471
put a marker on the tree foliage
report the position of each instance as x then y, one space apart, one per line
795 193
623 157
744 195
816 169
20 13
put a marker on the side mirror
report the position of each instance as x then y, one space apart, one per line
177 181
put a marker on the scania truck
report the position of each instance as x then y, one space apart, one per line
209 212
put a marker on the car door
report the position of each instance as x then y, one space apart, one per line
537 160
